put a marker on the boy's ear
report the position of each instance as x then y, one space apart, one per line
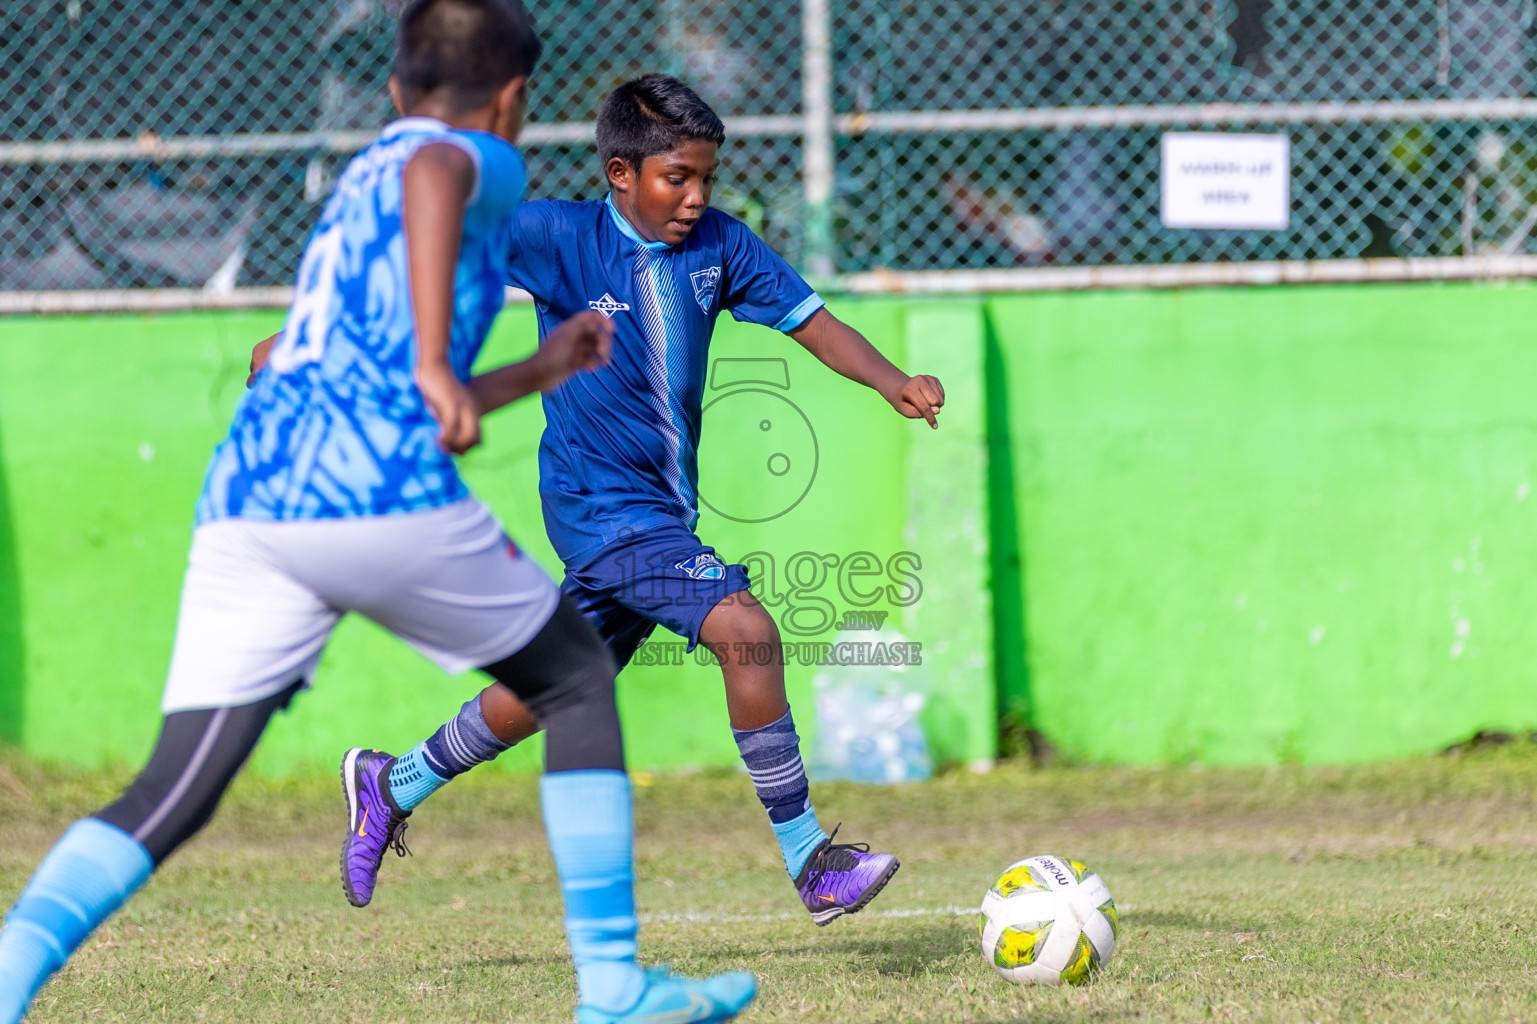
508 108
621 176
395 96
513 95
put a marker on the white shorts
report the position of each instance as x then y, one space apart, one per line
261 598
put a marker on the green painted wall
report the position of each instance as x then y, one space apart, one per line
1273 524
107 423
1220 525
947 520
12 658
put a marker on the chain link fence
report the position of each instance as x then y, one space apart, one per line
188 143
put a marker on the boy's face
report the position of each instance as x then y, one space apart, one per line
666 198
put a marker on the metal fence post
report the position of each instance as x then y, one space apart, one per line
817 170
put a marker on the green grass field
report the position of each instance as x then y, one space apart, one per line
1393 893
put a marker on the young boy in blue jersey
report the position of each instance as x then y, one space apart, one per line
618 471
334 492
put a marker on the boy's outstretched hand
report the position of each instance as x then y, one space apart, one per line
584 342
845 350
922 397
452 406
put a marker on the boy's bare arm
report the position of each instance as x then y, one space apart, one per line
259 356
436 186
584 342
845 350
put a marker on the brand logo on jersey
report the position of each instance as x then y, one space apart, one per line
703 567
608 306
705 282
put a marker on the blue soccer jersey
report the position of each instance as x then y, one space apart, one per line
620 446
335 424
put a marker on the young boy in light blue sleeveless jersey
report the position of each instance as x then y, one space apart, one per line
335 491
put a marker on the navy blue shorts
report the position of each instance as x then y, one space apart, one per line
662 576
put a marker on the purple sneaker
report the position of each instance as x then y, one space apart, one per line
374 824
841 878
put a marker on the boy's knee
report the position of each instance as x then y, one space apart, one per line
565 676
739 621
566 663
590 674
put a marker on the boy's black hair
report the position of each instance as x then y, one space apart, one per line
653 114
469 47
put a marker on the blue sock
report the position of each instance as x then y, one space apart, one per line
464 741
773 758
590 822
89 873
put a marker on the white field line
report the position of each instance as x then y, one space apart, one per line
690 917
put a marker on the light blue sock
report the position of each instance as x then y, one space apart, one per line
412 779
798 840
590 822
463 742
89 873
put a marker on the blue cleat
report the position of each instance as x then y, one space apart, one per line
673 999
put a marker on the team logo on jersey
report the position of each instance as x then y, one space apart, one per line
608 306
703 567
705 282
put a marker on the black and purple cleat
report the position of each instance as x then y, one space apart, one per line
840 878
374 823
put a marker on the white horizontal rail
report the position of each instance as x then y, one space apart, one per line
160 300
883 282
1188 275
174 147
154 147
1188 114
182 147
142 300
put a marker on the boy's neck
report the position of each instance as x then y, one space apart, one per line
617 201
482 120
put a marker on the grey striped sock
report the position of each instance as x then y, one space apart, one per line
773 758
463 742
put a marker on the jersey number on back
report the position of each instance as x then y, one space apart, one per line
309 319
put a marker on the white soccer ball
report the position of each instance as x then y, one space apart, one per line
1048 920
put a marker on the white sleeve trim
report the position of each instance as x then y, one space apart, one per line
800 314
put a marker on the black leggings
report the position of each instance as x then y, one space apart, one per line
566 678
197 756
565 675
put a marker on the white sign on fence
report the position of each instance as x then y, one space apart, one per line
1214 180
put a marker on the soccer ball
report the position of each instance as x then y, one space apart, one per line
1048 920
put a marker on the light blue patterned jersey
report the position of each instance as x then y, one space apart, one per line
335 424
